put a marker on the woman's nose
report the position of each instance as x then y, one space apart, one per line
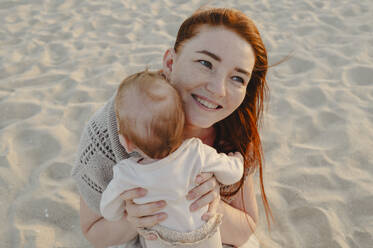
216 86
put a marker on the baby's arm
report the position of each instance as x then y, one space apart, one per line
111 205
228 169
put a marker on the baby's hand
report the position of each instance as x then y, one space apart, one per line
236 154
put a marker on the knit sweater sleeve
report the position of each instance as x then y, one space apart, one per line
99 150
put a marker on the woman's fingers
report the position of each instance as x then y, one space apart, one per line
140 210
203 177
142 215
150 237
133 193
213 206
203 201
147 221
202 189
205 194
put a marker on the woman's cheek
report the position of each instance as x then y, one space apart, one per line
238 95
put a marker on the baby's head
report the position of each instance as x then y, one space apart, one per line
150 114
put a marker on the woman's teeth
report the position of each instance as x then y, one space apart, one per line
206 103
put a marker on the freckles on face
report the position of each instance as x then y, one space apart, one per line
211 72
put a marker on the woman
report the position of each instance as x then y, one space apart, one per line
218 64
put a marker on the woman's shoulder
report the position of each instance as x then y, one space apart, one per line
102 128
101 116
99 150
99 143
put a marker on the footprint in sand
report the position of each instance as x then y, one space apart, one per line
79 96
333 58
352 243
9 4
351 9
305 219
312 181
327 118
53 5
13 112
366 28
34 147
3 163
46 211
305 30
43 81
145 59
359 75
55 54
57 172
75 117
317 161
312 97
333 21
304 129
360 207
360 211
299 65
363 238
292 197
282 107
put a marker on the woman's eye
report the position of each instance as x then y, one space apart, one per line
205 63
238 79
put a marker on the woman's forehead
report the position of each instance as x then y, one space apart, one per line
221 42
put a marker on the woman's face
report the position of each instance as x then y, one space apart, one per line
211 72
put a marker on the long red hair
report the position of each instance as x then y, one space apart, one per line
240 129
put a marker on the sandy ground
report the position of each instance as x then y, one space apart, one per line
61 60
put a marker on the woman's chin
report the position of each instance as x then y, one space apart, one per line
199 124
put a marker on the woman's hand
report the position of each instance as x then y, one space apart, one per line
206 193
142 215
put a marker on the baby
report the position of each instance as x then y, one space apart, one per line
150 119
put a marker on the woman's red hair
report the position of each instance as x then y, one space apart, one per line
240 129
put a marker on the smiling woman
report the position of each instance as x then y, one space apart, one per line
218 66
209 75
233 35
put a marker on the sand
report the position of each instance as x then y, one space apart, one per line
61 60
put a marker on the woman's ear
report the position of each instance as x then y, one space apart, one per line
168 60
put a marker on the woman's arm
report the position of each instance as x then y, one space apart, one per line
237 226
103 233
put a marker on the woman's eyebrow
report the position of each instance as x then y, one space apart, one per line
210 54
242 71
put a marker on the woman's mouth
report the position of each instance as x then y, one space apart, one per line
205 103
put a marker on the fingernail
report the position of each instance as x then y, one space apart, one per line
198 179
193 207
190 196
161 217
142 191
205 217
152 237
161 204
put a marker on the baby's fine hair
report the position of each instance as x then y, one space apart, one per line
150 113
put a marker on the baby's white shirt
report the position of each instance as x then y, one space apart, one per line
170 179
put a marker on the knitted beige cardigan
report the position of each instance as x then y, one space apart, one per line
99 150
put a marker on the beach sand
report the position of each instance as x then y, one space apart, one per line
61 60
